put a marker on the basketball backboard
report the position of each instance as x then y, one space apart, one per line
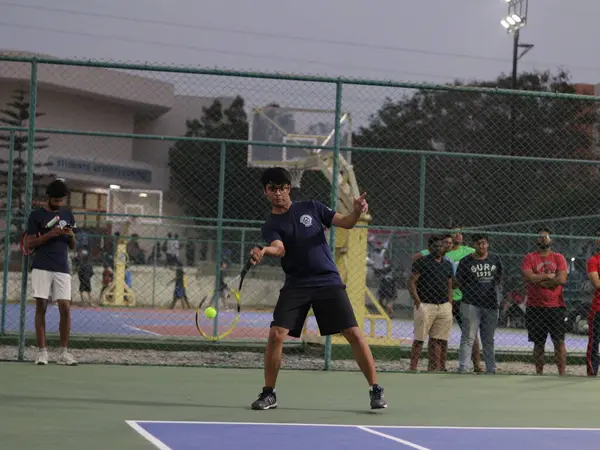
134 202
313 127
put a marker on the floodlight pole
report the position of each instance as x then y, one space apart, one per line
513 22
515 60
519 8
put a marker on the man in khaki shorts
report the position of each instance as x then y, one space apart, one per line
50 233
430 287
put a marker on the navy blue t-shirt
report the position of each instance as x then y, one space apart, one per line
307 262
479 280
53 255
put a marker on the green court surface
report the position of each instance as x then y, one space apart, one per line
55 407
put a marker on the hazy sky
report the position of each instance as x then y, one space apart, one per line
425 40
389 39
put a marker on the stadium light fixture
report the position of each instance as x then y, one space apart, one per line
517 15
115 186
513 22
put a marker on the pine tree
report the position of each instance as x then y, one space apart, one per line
16 114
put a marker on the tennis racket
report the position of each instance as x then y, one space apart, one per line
232 287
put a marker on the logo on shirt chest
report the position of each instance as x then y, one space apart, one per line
546 267
306 220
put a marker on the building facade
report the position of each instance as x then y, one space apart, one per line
110 101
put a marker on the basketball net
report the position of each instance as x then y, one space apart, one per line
296 177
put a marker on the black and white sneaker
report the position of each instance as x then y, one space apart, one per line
377 399
266 400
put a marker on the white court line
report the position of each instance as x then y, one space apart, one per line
393 427
393 438
148 436
131 327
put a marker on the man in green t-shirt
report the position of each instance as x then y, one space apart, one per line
457 252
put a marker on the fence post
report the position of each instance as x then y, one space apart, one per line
422 176
28 198
154 263
219 258
334 191
7 240
243 256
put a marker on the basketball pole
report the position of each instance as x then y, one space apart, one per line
349 247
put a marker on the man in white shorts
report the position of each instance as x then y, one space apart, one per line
50 234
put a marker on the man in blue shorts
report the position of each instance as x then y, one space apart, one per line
295 232
50 234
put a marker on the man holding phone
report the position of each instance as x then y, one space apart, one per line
50 234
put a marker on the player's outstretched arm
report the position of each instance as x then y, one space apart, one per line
275 249
360 206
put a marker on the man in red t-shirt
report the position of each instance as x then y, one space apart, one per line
545 274
593 267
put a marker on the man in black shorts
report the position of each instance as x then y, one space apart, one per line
545 272
295 232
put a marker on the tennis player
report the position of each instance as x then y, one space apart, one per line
295 232
51 238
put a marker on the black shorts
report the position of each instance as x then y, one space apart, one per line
331 306
85 286
542 322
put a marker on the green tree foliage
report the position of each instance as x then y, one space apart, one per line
195 166
475 191
16 114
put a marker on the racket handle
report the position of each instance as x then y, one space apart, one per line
248 265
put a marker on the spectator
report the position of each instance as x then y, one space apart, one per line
190 251
479 275
172 250
107 278
545 273
135 252
155 255
448 244
85 273
179 293
593 268
387 289
430 287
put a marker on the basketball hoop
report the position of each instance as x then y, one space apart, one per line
296 177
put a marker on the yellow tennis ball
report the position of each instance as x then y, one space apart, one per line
210 312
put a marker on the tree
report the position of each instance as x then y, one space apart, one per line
195 166
471 190
16 114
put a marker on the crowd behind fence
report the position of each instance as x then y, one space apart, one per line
429 157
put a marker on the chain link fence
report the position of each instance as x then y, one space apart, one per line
164 164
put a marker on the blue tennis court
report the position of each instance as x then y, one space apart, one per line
233 436
140 322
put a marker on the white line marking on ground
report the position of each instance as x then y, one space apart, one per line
148 436
131 327
393 438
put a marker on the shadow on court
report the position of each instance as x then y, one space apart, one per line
16 399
